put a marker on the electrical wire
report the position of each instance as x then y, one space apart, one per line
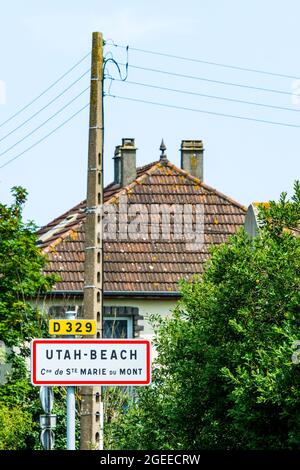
213 113
46 106
45 137
186 92
219 82
46 90
107 60
207 62
43 123
240 85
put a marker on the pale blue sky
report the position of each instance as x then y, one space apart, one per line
247 161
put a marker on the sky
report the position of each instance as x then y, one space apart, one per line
244 159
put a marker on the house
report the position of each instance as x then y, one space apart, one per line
173 218
252 224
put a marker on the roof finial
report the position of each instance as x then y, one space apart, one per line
163 148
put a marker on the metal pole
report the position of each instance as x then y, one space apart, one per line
71 407
71 418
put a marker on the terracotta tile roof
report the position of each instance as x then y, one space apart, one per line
142 265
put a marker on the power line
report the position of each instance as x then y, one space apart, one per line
184 108
176 90
219 82
207 62
45 91
46 106
43 123
45 137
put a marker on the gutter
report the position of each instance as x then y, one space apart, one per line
120 294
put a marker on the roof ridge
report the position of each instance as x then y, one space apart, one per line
59 239
57 220
206 186
125 189
147 166
145 171
73 209
60 217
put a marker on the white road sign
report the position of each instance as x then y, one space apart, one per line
90 362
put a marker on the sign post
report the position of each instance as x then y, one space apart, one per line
71 415
71 406
89 362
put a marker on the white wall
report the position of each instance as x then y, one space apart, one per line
146 307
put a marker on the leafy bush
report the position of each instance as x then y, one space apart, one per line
15 425
224 378
21 279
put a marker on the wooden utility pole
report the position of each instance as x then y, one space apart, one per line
91 436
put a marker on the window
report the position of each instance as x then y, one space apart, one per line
59 311
117 327
118 322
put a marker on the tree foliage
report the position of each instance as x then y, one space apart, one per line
21 277
224 378
21 280
15 425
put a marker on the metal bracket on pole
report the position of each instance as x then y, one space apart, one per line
48 420
91 210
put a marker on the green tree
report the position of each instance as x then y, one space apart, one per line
21 279
224 378
16 425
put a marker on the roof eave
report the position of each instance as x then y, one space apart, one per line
120 294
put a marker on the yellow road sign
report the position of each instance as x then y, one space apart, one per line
72 327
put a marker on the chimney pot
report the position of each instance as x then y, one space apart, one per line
192 157
128 142
125 162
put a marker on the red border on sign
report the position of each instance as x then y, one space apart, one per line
89 341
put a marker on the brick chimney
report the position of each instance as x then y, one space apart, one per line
125 162
192 157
